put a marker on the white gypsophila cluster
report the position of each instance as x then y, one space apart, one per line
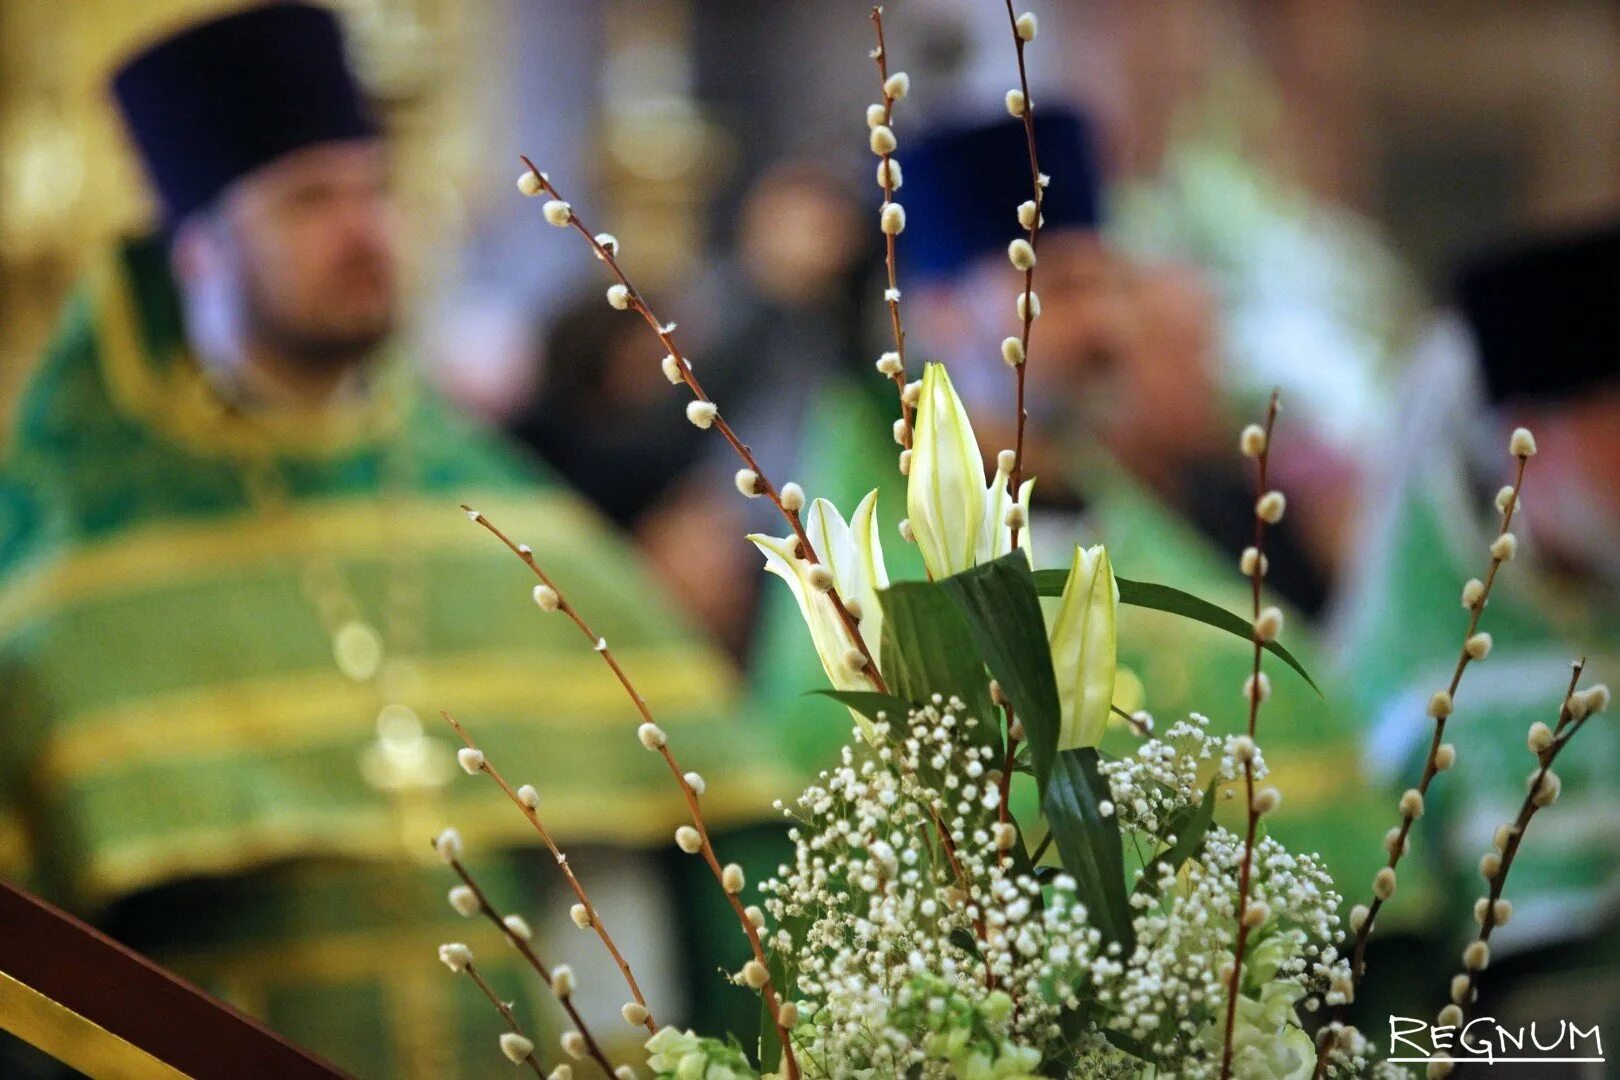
897 966
1169 995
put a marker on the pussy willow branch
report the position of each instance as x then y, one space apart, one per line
1245 870
880 57
1430 769
1034 233
521 944
665 335
561 859
505 1010
1567 727
768 990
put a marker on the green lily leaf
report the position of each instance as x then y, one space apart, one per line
1089 842
869 703
1148 594
782 977
1189 829
1004 616
928 648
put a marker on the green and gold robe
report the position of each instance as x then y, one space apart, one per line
182 760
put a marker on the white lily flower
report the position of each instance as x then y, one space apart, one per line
1083 648
852 552
957 519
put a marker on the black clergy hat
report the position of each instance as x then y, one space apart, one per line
1546 314
963 184
215 101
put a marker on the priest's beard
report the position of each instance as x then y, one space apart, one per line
335 329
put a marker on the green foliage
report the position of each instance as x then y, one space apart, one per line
928 648
1088 841
1188 827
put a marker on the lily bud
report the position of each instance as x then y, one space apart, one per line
945 495
1083 648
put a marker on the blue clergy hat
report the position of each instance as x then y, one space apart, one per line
217 100
963 184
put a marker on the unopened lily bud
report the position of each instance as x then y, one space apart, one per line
557 212
518 927
1477 956
562 980
821 578
1266 800
1029 306
876 114
455 955
731 878
1478 646
1012 351
893 219
1270 507
689 839
1256 914
530 184
672 369
652 736
470 759
1251 560
581 916
889 177
882 140
696 782
747 481
1412 803
889 364
1473 592
1540 738
792 496
1490 864
1384 883
1269 624
1252 440
1445 756
1544 792
1016 103
1440 704
1504 547
1021 254
1522 444
546 598
755 974
701 413
897 85
618 297
517 1048
448 845
1507 497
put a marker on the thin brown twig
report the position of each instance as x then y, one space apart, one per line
750 931
522 945
665 333
505 1010
1015 481
1245 871
880 56
561 860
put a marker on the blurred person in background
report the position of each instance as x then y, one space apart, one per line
1533 340
1119 365
236 588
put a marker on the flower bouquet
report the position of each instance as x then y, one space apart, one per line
922 929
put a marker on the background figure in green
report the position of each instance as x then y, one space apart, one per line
237 588
1534 339
1117 367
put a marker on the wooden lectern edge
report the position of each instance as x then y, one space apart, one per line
110 987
